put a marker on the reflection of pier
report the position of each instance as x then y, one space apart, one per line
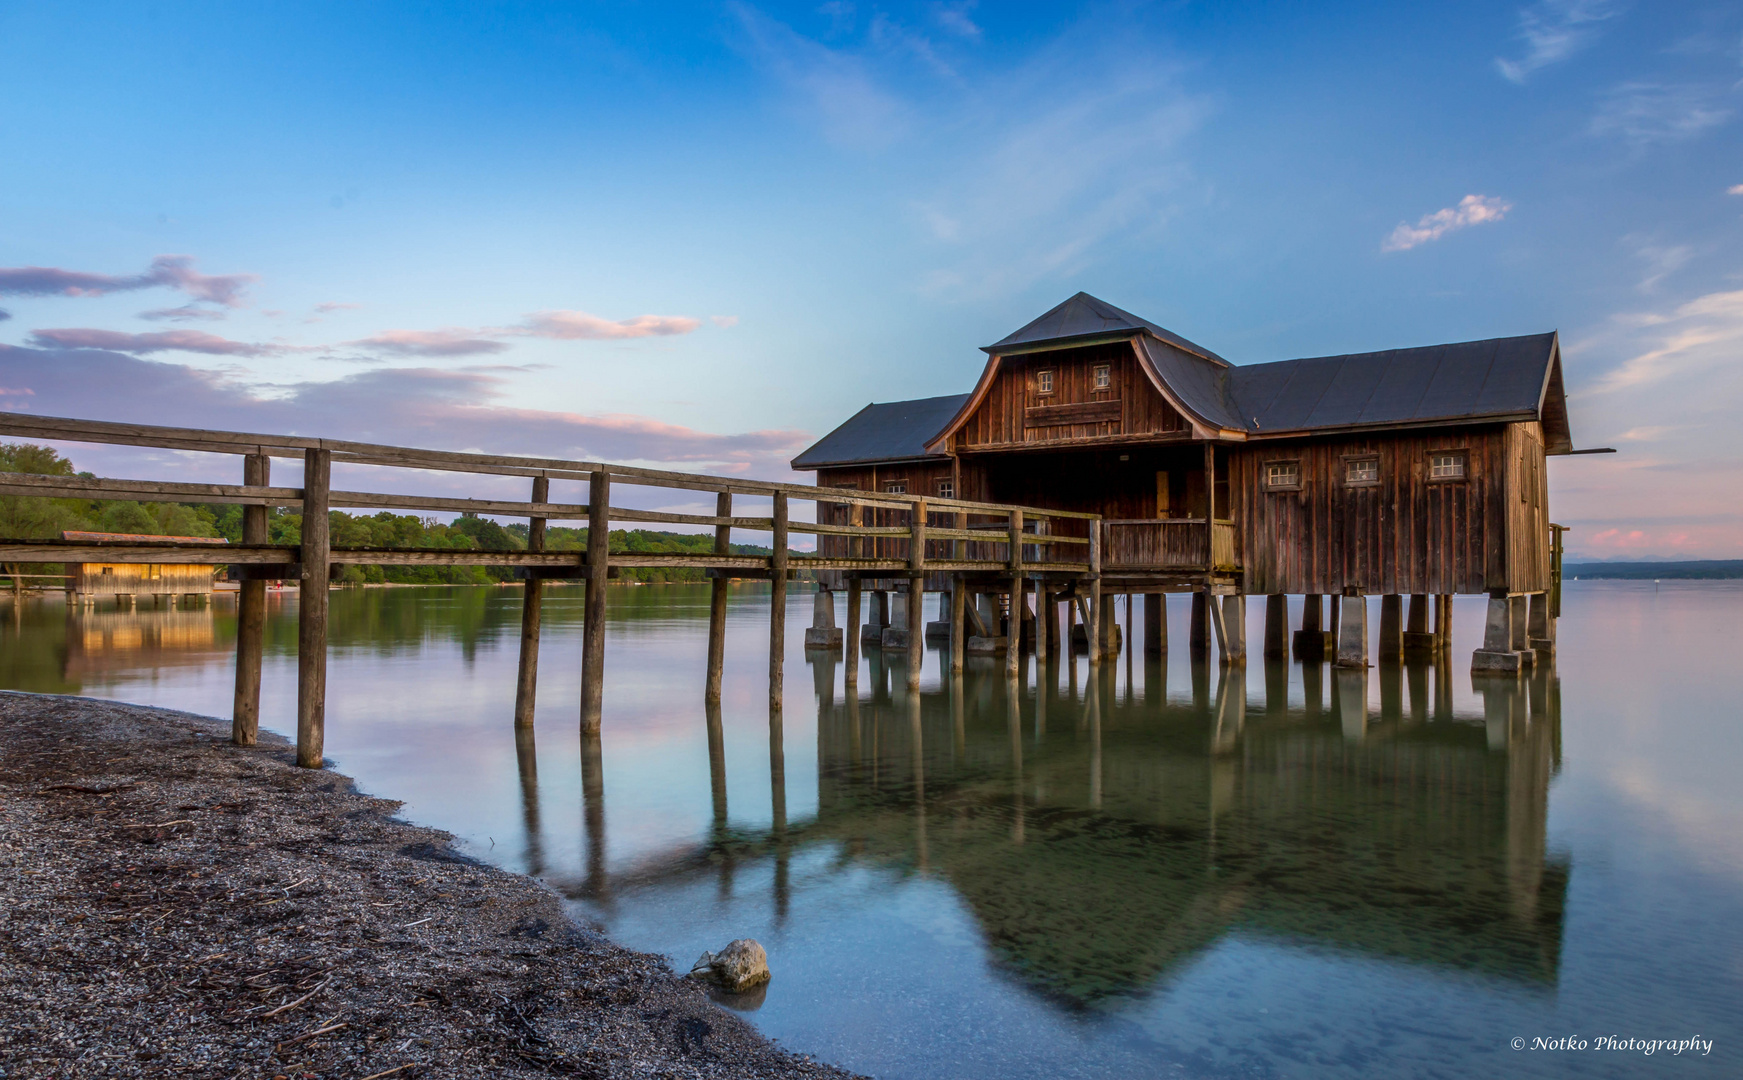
1104 839
107 642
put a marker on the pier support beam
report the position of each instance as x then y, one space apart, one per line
878 621
532 598
1353 633
312 609
1499 652
1198 629
823 633
958 624
1418 638
1443 612
1276 627
1391 628
717 594
1310 639
1540 631
851 675
1231 627
1043 616
593 619
1092 626
1155 624
777 612
250 614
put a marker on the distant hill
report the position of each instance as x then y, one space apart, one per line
1711 569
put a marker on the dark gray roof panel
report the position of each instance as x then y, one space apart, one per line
1201 386
1469 380
892 431
1084 316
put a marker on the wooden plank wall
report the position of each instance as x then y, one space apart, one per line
1015 414
1527 509
1403 535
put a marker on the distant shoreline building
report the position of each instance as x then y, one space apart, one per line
88 581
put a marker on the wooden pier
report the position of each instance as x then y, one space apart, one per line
984 542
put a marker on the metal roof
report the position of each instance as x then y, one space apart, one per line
1083 318
891 431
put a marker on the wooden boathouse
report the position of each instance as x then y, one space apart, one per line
88 582
1417 472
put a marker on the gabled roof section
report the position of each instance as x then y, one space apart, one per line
1495 379
1085 320
891 431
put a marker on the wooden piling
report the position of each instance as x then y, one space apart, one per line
851 630
1198 630
1043 616
593 624
1276 627
1155 624
312 609
250 614
1014 638
778 608
1092 630
958 623
916 591
1391 628
532 599
717 594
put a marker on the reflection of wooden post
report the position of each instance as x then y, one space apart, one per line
778 606
593 814
526 686
527 760
250 613
717 600
716 761
312 610
593 625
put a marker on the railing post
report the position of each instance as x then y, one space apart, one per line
312 609
593 621
1092 631
717 591
250 614
855 599
1014 635
532 599
778 605
916 591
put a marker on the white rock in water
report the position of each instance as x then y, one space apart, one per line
736 968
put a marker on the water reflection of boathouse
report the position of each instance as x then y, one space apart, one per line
1103 844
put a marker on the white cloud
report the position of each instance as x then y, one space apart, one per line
578 325
1648 113
723 321
1734 189
1662 260
1553 31
1703 334
1471 210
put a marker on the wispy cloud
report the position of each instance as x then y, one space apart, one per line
1661 260
1734 189
4 314
1471 210
439 409
1700 335
335 305
580 326
185 313
1553 31
723 321
192 341
1646 114
837 86
166 271
954 19
454 341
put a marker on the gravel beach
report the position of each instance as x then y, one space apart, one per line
178 906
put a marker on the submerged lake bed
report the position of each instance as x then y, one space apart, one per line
1145 869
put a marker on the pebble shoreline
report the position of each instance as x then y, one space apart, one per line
178 906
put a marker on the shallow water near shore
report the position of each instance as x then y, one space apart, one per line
1152 870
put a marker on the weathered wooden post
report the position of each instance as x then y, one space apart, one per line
1443 622
1310 639
1417 639
1155 624
1014 638
851 629
958 623
1198 630
1391 628
312 609
717 596
1276 627
778 616
1353 635
1234 630
593 624
250 613
1043 616
916 590
1092 631
527 683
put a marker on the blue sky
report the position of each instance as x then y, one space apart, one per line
699 235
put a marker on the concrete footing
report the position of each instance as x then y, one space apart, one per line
1353 633
823 633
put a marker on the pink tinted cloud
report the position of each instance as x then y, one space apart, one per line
425 407
578 325
166 271
453 341
185 313
332 306
194 341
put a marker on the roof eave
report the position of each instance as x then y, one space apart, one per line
1054 344
1393 425
924 459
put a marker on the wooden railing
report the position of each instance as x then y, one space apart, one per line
1190 544
1223 556
899 540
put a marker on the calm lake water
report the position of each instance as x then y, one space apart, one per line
1162 872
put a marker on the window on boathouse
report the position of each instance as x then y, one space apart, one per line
1362 470
1446 465
1283 476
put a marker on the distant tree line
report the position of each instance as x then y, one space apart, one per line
1692 569
33 517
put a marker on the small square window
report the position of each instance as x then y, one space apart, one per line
1446 465
1104 376
1283 476
896 487
1043 382
1362 470
947 489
